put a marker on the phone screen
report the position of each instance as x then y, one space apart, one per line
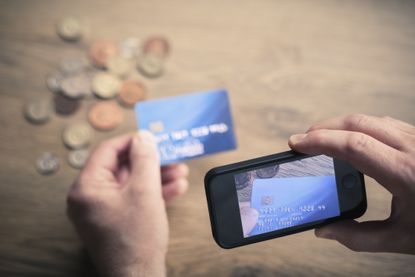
285 195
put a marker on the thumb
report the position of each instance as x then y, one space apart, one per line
145 164
369 236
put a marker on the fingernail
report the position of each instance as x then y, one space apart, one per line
144 144
294 139
145 136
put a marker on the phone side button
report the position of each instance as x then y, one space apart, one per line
349 181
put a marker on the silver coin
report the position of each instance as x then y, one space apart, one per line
130 47
76 86
73 65
120 66
69 28
88 76
47 163
77 158
39 110
77 135
150 65
105 85
54 81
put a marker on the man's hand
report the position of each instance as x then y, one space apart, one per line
383 148
117 205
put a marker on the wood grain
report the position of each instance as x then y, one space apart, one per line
286 65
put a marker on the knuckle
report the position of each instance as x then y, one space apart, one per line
354 121
387 118
82 195
313 127
356 143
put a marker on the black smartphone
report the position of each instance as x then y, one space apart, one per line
281 194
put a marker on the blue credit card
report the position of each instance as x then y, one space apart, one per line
291 201
188 126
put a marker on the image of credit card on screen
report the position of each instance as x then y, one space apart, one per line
281 194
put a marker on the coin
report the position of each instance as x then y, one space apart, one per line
120 66
73 65
47 163
131 92
38 111
105 115
65 105
157 45
76 86
101 51
105 85
69 28
267 172
242 180
150 65
54 81
77 135
130 47
77 158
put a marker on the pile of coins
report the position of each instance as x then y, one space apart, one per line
108 74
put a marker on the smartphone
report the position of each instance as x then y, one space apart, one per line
281 194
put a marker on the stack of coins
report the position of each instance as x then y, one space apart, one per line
109 74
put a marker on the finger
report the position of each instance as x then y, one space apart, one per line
144 164
175 171
174 189
249 219
123 173
379 128
403 126
105 156
369 236
365 153
245 204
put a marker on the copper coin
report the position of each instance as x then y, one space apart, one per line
131 92
157 45
101 51
105 115
65 105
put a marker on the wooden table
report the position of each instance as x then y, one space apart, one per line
286 65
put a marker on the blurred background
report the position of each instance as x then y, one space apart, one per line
285 64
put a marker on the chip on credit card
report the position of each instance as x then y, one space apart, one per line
188 126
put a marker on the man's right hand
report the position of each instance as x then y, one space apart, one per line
382 148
